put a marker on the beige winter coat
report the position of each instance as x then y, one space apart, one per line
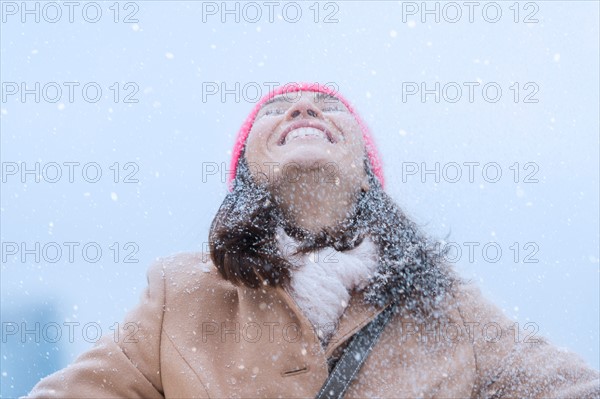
197 335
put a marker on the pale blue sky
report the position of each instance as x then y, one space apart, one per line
372 55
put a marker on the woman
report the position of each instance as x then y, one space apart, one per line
307 249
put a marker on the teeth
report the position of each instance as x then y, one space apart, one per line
305 132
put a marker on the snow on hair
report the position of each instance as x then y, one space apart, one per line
244 248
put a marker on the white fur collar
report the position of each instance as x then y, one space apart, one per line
322 281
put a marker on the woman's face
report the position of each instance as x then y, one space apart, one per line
306 131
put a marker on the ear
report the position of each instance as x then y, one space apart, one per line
365 185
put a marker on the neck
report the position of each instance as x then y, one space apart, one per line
313 203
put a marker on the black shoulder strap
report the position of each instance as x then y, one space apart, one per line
354 356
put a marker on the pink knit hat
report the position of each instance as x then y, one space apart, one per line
291 88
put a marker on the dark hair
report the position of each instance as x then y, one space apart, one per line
245 250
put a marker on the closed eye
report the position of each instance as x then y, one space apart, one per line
274 111
334 109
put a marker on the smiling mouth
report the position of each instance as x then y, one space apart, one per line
305 132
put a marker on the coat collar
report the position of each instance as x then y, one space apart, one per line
357 314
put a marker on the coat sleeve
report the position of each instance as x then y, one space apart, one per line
126 365
514 362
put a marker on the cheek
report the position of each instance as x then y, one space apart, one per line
257 142
350 129
352 132
354 153
347 123
264 125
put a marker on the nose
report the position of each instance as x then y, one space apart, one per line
303 108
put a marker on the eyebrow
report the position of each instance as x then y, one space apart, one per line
319 96
274 99
325 96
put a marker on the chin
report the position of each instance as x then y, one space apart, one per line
307 158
